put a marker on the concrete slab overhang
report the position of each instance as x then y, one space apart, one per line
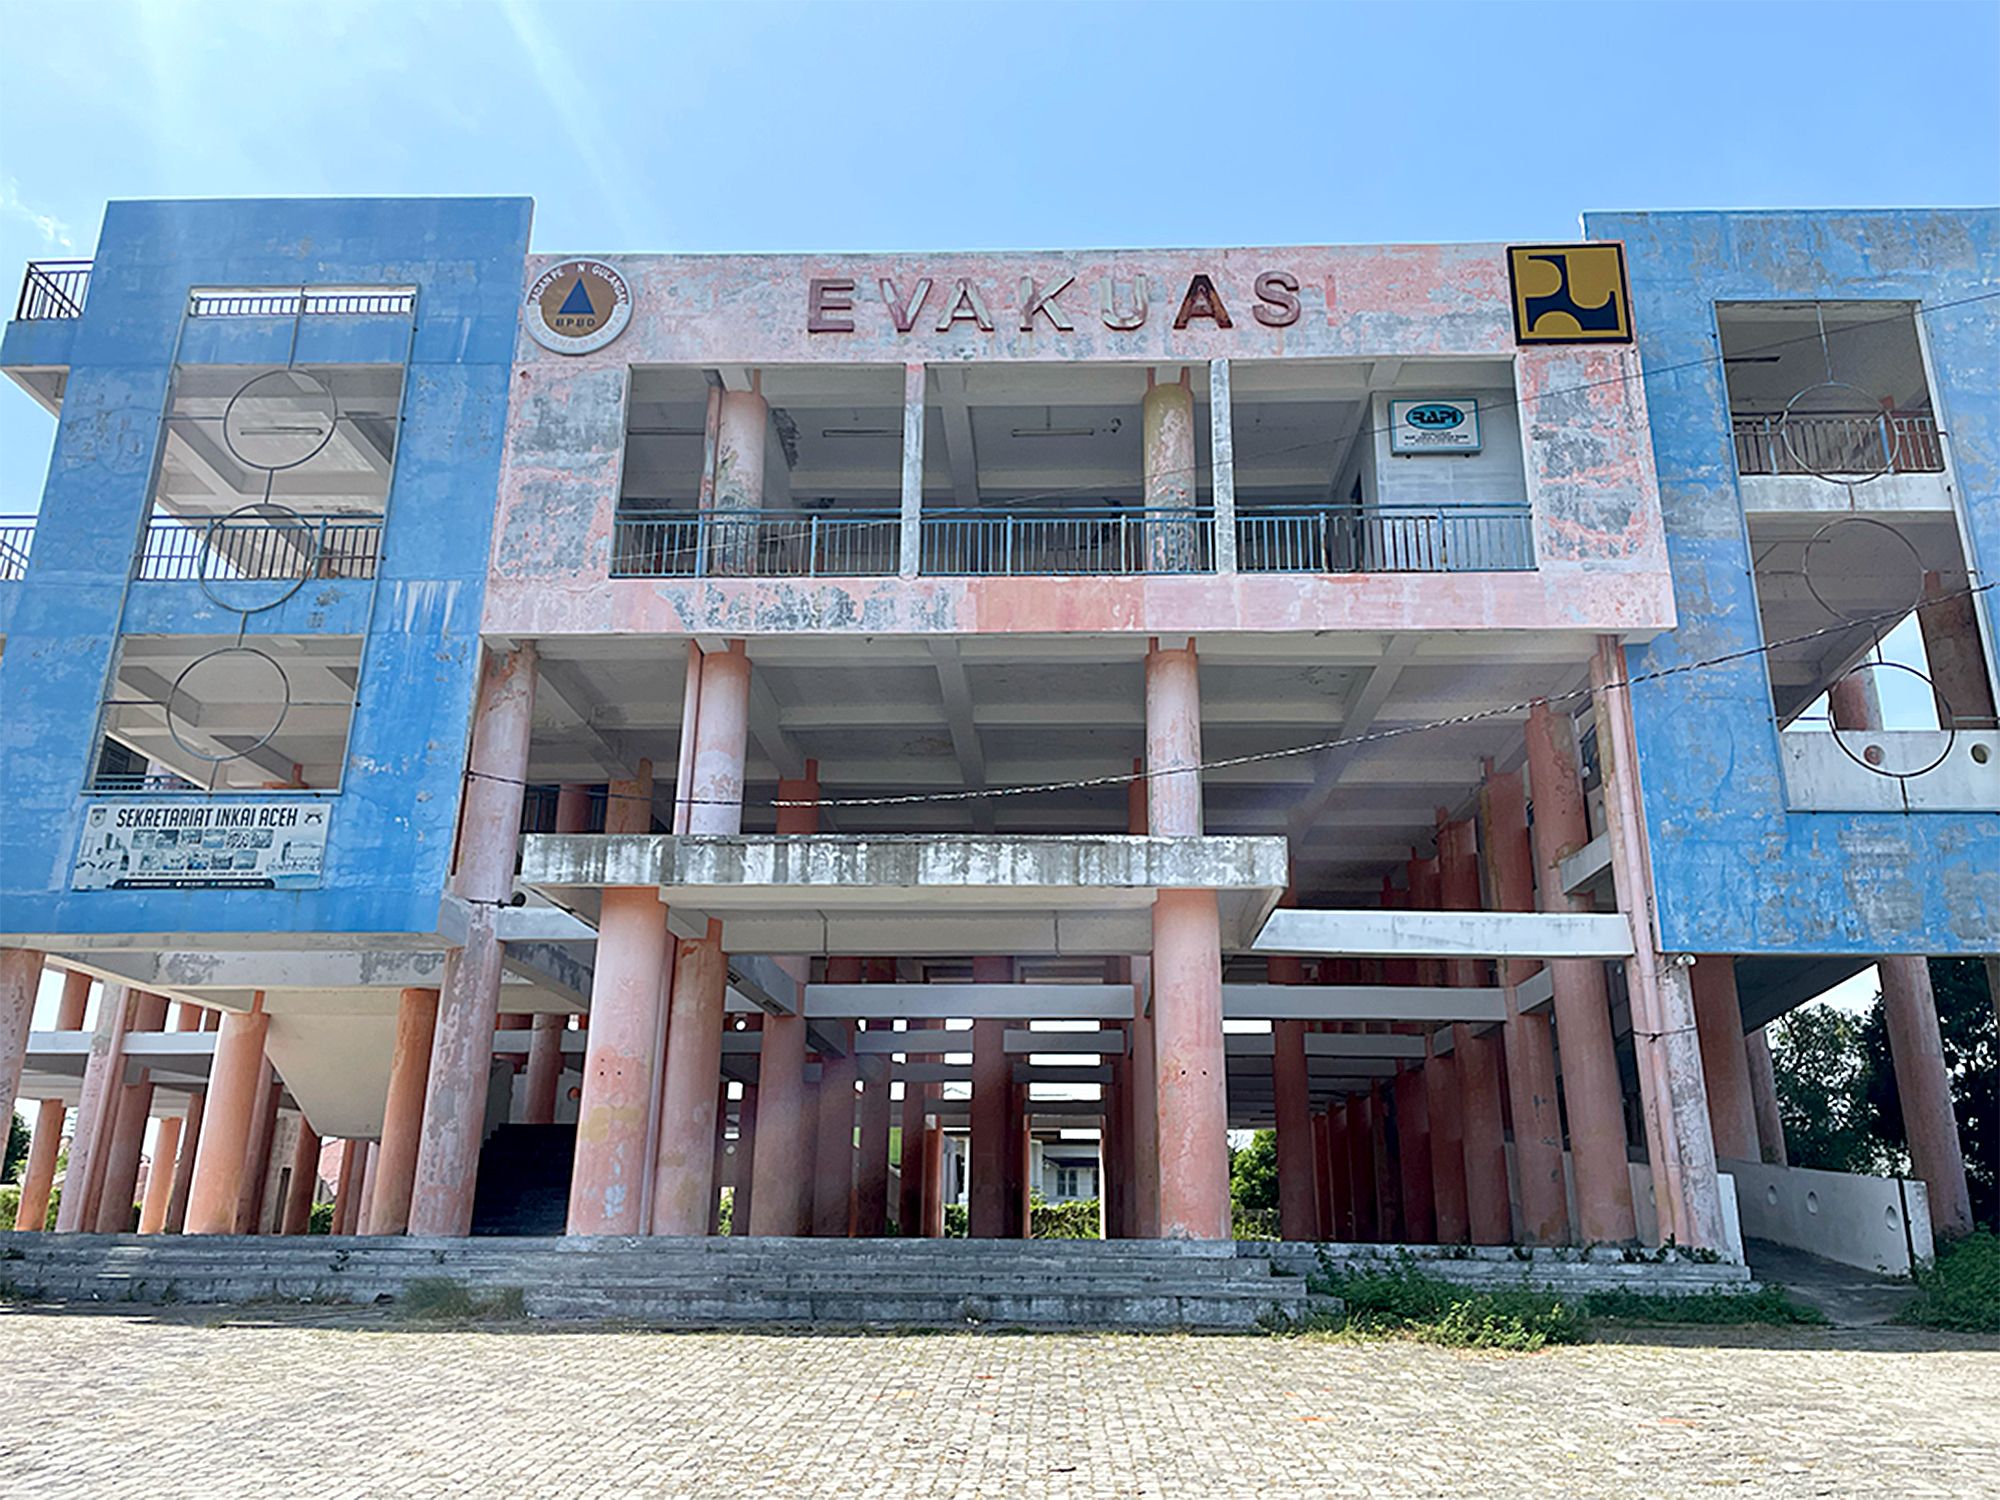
1447 934
916 894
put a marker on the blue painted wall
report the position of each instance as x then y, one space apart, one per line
1735 871
397 809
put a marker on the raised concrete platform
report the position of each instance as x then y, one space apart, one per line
1600 1269
916 894
1148 1284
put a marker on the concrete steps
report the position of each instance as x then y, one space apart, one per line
707 1282
1557 1270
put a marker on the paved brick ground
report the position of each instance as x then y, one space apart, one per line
203 1403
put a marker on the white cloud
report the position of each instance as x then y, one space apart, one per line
53 230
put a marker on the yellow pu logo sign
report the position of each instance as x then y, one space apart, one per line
1569 294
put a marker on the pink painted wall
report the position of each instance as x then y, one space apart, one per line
1588 448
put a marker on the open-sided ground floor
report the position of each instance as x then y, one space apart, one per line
356 1402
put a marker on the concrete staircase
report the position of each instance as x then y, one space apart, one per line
523 1187
1570 1271
687 1282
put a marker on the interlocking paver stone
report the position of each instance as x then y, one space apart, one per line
208 1402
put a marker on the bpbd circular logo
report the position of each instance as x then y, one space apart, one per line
577 306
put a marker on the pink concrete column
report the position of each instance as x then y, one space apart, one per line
781 1171
403 1111
1340 1167
1143 1071
39 1175
545 1068
1910 1011
1413 1157
743 1197
1764 1095
1388 1185
1718 1017
177 1201
1476 1056
1298 1208
468 1006
1324 1226
719 1158
304 1181
1020 1184
347 1192
910 1184
20 979
573 808
228 1119
1448 1190
871 1171
160 1176
988 1215
1360 1135
119 1186
96 1111
1680 1148
257 1153
934 1182
721 736
833 1137
684 1186
1190 1084
1591 1090
1529 1040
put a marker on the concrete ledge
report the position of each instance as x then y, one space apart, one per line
1447 934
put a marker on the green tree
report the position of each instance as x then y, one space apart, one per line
17 1149
1823 1071
1971 1057
1253 1174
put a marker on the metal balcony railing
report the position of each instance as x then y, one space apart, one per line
17 535
755 544
184 551
311 302
1483 538
52 289
1063 543
1838 443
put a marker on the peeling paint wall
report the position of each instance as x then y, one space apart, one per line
394 816
1734 870
1588 468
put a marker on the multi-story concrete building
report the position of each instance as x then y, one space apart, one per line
1150 658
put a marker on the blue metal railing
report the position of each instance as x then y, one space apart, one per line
1067 542
52 289
17 535
186 550
1390 538
755 544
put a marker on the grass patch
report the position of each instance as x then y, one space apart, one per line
441 1299
1770 1305
1402 1302
1961 1291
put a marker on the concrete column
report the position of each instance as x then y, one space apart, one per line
1910 1009
611 1176
403 1111
721 735
468 1006
1949 619
1718 1017
118 1188
1529 1041
871 1171
1298 1206
1475 1057
910 1185
1167 436
160 1176
305 1181
38 1176
1325 1227
743 1180
743 421
1340 1166
1388 1186
257 1153
1687 1194
1143 1072
910 553
1413 1157
1190 1084
988 1214
684 1187
96 1111
347 1192
177 1201
934 1182
1020 1183
20 980
1361 1167
833 1154
1222 463
1764 1095
1592 1092
545 1068
1442 1093
235 1095
781 1170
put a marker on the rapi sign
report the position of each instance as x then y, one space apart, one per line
1435 424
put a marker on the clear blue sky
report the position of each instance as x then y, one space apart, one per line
778 127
